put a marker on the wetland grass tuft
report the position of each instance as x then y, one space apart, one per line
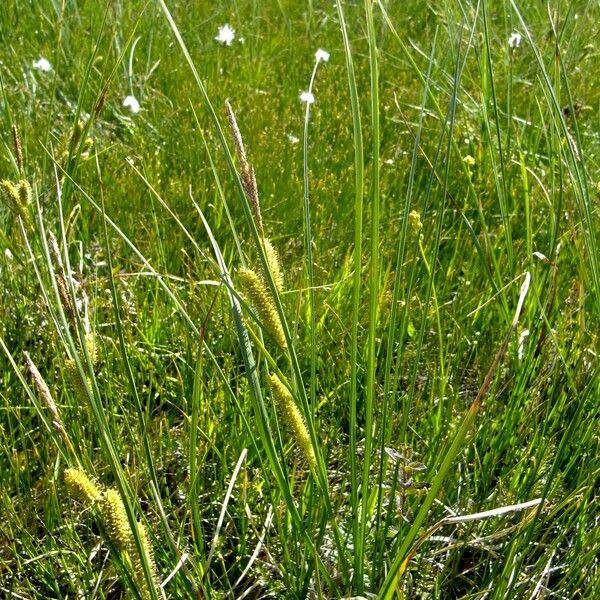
300 357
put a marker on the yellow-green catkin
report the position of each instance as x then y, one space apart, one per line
18 198
76 379
116 524
10 195
25 193
414 219
114 518
137 568
259 296
82 486
274 263
91 346
291 415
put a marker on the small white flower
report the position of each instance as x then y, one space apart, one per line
226 35
293 139
42 64
514 40
321 55
8 254
522 337
389 161
588 363
132 104
307 97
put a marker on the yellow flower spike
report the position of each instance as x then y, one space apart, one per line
114 518
18 197
25 194
76 380
291 415
81 486
414 219
10 195
138 570
116 524
260 298
91 346
274 263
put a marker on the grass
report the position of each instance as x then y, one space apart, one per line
434 427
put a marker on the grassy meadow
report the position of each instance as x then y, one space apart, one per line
299 299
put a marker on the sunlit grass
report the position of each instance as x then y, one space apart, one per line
404 404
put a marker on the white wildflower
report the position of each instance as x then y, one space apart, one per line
42 64
131 102
514 40
588 363
522 337
293 139
226 35
321 55
307 97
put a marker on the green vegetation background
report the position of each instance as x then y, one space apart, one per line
505 180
